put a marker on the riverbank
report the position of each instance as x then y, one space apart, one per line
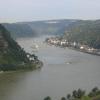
92 53
72 45
20 67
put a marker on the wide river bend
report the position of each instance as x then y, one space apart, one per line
64 70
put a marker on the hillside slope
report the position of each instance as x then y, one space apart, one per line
38 28
85 32
50 27
12 56
20 30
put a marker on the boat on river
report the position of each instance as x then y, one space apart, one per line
35 47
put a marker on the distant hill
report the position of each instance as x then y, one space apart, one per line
38 28
12 56
20 30
86 32
50 27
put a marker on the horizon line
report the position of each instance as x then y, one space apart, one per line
49 20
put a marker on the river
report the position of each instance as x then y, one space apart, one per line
63 71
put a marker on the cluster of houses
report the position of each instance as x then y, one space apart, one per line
57 41
64 43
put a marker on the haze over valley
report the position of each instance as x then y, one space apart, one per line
49 50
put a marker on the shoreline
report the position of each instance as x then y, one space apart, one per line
63 43
25 67
76 49
84 51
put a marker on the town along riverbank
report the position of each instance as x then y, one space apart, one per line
72 45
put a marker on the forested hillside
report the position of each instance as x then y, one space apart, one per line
85 32
50 27
12 56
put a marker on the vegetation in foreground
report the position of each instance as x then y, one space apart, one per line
80 94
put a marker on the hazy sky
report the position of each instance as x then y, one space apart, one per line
29 10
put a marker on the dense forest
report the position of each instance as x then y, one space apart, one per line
85 32
12 56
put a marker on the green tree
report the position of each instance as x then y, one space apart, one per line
63 98
47 98
68 96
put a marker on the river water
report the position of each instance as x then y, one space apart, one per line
64 70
